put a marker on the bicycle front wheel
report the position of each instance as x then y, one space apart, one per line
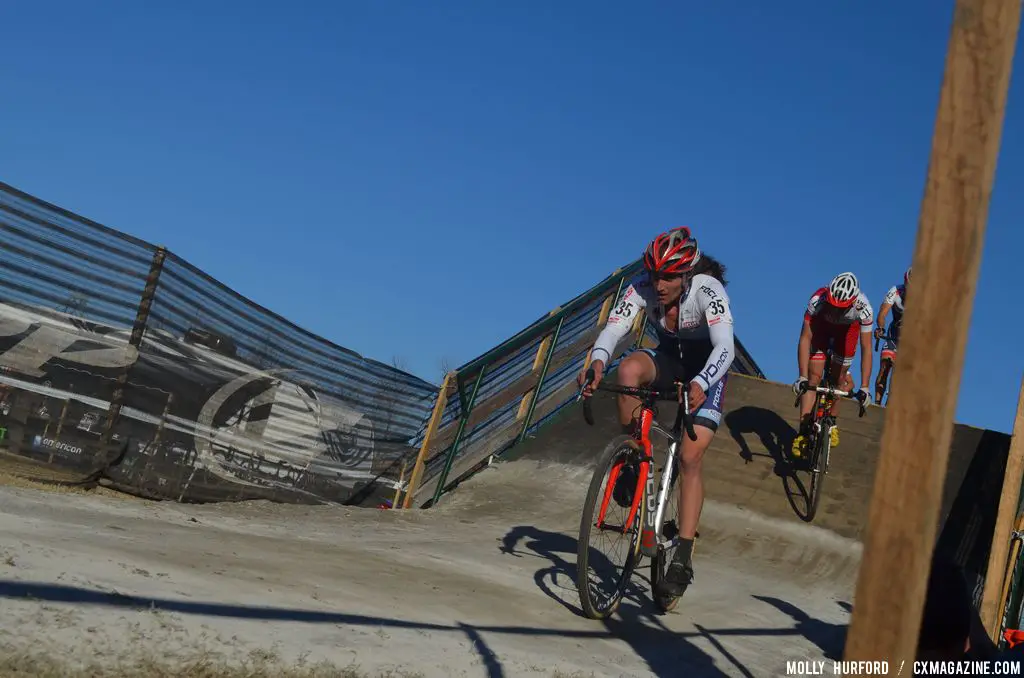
609 503
821 450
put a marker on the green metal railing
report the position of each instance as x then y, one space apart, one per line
510 389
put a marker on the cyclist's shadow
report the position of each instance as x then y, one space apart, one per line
776 436
662 649
558 580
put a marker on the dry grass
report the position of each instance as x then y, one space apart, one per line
10 480
19 662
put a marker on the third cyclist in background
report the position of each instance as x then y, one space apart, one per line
895 299
836 314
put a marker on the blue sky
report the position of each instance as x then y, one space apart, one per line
422 180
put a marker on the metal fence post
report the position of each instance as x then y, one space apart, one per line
540 381
141 318
538 361
453 450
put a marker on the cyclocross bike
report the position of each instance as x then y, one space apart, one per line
885 336
649 533
820 439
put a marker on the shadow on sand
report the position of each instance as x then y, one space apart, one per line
776 436
639 624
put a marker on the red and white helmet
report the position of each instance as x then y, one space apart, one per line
843 290
673 252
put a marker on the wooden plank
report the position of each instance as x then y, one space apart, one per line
602 318
510 393
990 613
538 362
435 418
902 518
480 450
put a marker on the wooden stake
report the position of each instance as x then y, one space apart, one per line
398 486
1010 566
602 317
538 360
435 419
1008 500
903 514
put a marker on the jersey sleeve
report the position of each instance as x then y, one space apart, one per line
814 304
891 296
865 314
714 304
620 321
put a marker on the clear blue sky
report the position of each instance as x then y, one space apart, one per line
424 179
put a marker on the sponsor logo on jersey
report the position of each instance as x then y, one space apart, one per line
708 291
712 370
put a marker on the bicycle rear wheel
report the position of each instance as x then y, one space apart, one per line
617 456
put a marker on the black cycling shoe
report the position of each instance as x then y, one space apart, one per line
678 574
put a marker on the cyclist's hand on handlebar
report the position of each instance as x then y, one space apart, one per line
696 395
798 385
581 379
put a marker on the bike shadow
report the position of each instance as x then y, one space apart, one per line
829 637
636 622
776 436
560 550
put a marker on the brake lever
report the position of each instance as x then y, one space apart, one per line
588 414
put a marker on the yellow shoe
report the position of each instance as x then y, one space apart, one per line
798 446
834 436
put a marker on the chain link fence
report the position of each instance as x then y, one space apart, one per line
121 362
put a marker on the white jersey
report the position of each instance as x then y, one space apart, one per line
896 297
705 326
860 311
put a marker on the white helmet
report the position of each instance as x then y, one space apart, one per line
843 290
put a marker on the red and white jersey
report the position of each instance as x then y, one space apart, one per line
860 311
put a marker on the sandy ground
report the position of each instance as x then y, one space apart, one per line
482 585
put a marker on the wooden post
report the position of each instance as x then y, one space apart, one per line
398 485
1008 500
903 515
538 360
1009 568
435 419
602 318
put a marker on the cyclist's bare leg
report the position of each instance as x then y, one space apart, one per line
838 372
691 485
691 501
815 371
888 359
636 369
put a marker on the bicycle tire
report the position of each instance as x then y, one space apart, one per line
609 457
821 450
659 563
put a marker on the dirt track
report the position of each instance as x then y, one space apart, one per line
482 585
